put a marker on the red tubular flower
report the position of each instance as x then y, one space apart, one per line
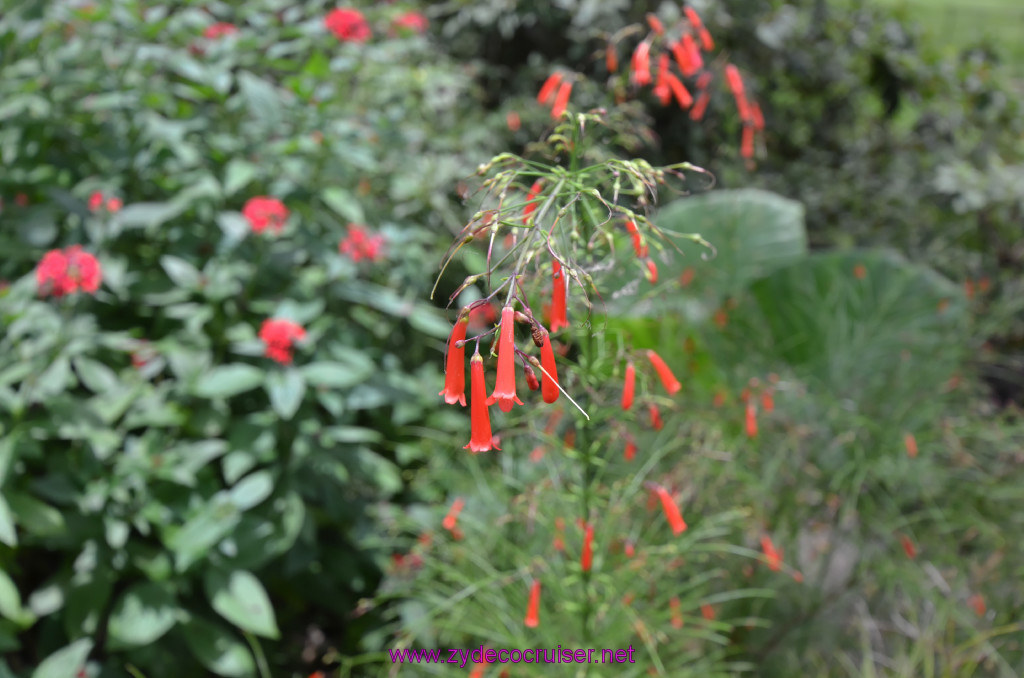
707 611
767 401
668 380
697 112
480 416
910 442
747 143
348 25
264 212
692 61
359 244
677 613
655 23
639 247
629 549
672 514
513 121
549 378
681 55
772 556
587 556
454 390
452 519
751 420
661 89
611 58
756 116
531 202
652 272
705 39
908 546
279 335
547 90
693 18
977 603
505 386
559 540
533 608
679 91
630 451
732 76
630 386
558 294
218 30
561 100
704 80
656 423
642 64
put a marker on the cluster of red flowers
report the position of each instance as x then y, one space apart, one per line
348 25
65 271
98 201
359 244
504 393
683 47
263 212
280 336
556 90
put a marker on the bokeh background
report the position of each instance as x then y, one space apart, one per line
175 503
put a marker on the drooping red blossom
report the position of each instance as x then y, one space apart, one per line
629 388
560 285
513 121
642 64
505 385
750 421
454 390
480 416
655 23
677 612
910 443
629 549
478 669
767 401
908 546
411 21
747 142
977 603
549 377
630 451
219 29
771 555
280 335
701 105
611 58
668 380
559 540
688 56
348 25
652 272
639 247
679 91
451 520
263 212
656 423
668 506
661 89
532 618
561 100
359 244
587 556
547 90
62 272
757 117
531 201
707 611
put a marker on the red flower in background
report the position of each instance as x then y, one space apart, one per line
668 506
412 21
218 30
264 212
97 200
533 608
65 271
452 519
629 388
348 25
280 336
668 380
359 244
771 555
587 557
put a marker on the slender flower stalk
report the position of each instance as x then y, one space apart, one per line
454 390
668 380
481 439
505 386
532 619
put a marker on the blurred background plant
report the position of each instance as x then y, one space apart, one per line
174 502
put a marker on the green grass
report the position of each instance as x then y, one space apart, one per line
964 23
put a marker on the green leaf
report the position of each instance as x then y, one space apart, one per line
286 389
241 599
217 649
237 174
344 204
34 516
211 523
261 97
182 273
225 381
94 375
147 214
65 662
144 613
336 375
10 603
53 380
252 490
234 225
8 535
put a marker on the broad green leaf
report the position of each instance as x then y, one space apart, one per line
8 535
147 214
225 381
286 388
65 662
86 602
261 97
335 375
94 375
53 380
35 516
252 490
144 613
182 273
214 521
217 649
237 174
240 598
344 204
10 602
